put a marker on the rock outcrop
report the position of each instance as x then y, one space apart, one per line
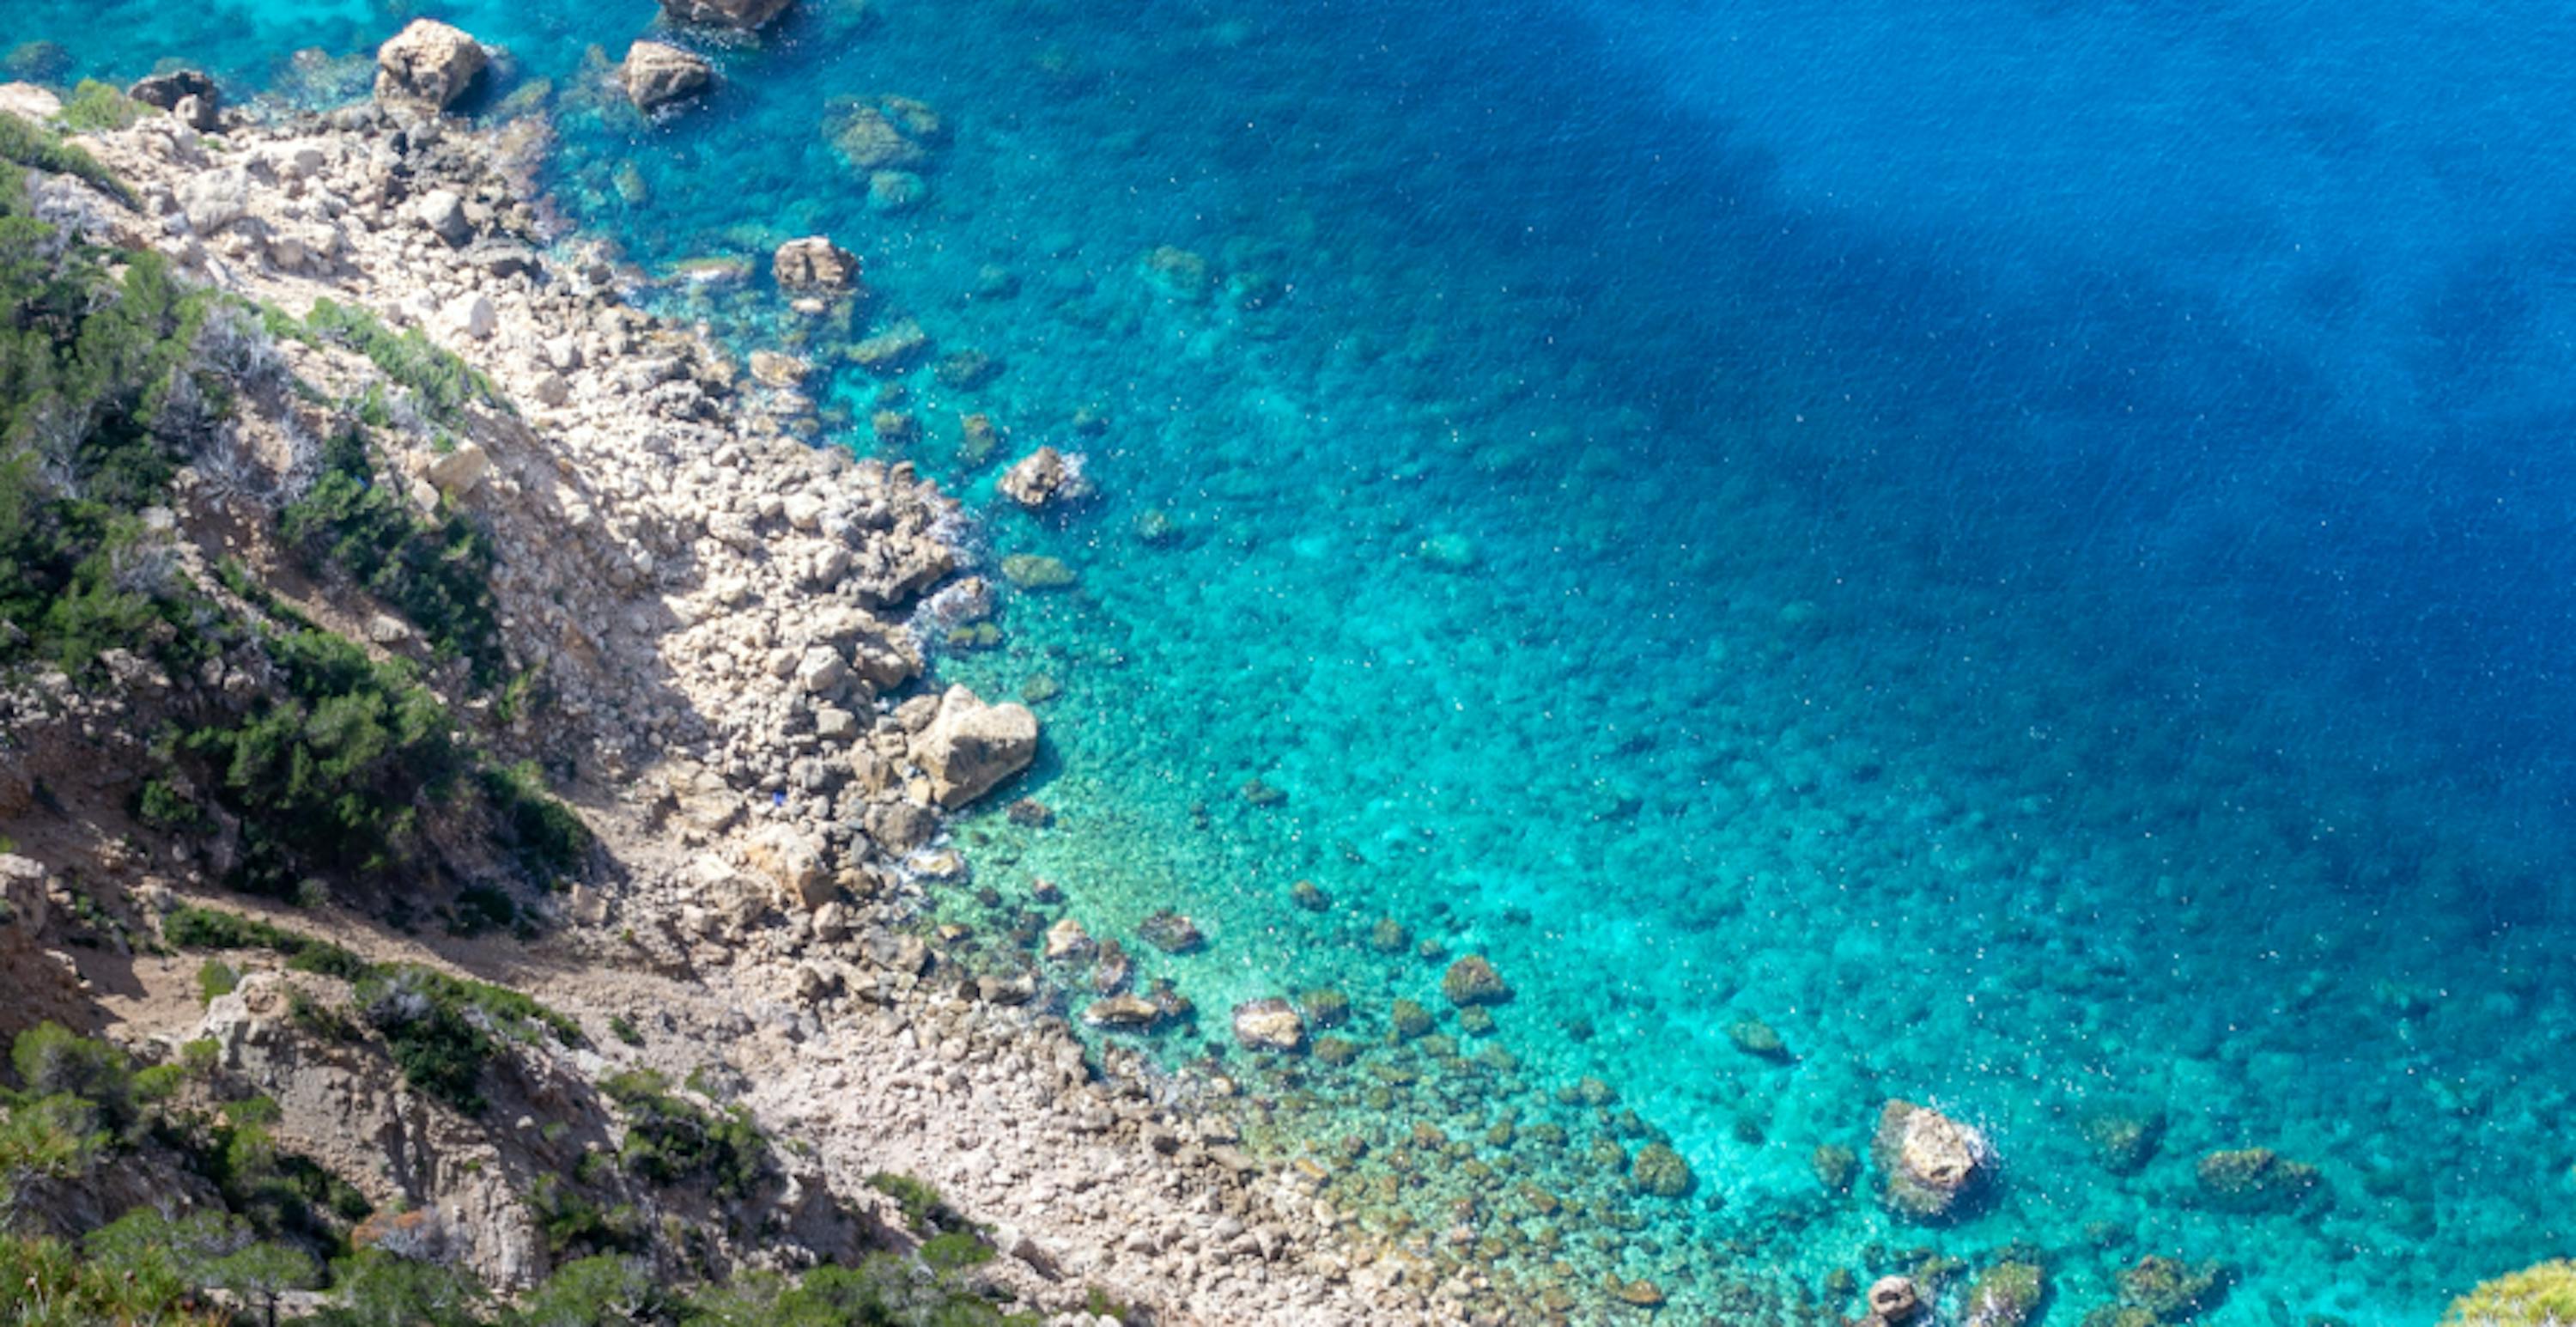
1928 1163
427 66
970 746
657 74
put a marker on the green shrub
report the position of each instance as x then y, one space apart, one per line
26 143
100 385
955 1252
330 773
193 927
162 805
439 1048
573 1225
624 1029
52 1060
215 978
96 107
481 908
436 571
442 383
882 1290
549 842
318 1020
670 1140
377 1289
924 1209
47 1280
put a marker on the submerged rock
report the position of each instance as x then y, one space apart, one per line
2254 1179
1268 1025
1757 1039
1835 1166
891 349
747 15
1928 1163
2123 1139
1030 571
2170 1289
2007 1295
1171 932
1473 981
1124 1013
656 75
1660 1171
427 65
970 746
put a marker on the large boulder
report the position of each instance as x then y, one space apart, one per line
656 75
747 15
814 263
794 861
186 93
970 746
1928 1163
427 65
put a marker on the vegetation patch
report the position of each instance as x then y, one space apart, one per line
435 570
672 1140
443 384
26 143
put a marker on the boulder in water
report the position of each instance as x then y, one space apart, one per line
744 15
1928 1163
427 65
970 746
656 75
1268 1025
1042 477
814 263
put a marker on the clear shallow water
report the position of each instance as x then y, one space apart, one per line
2019 545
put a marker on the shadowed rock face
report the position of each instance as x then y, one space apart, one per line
657 75
427 65
747 15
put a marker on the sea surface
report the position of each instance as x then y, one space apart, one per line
2027 548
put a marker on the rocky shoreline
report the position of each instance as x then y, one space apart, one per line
720 616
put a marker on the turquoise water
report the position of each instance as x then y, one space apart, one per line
2021 546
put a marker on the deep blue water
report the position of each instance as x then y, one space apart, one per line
2024 545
